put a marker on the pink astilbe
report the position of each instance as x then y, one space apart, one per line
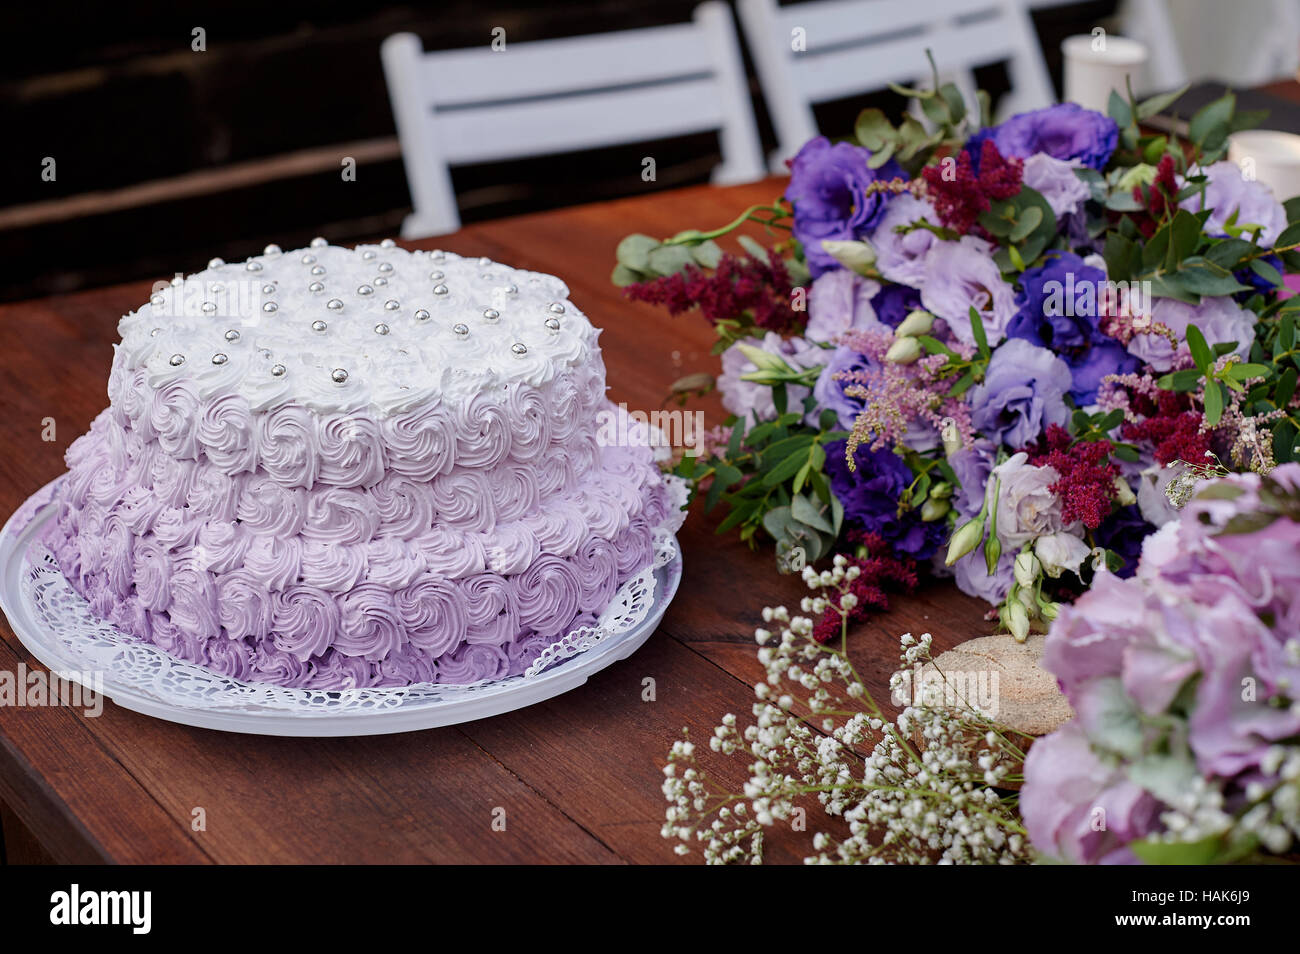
881 570
900 397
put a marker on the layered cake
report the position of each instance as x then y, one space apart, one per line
335 468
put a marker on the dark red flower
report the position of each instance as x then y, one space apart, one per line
959 195
1086 486
882 570
736 286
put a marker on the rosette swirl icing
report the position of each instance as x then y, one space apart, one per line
335 497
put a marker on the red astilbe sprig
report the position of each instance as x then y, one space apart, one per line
1174 435
880 571
738 285
1086 487
960 197
1159 199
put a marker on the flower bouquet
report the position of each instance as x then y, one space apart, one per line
1185 748
989 350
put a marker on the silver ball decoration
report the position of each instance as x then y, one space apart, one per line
339 375
381 329
219 358
368 254
380 281
318 242
553 325
491 314
385 267
315 288
271 249
334 304
461 330
232 335
318 270
555 308
176 360
436 276
440 290
254 266
365 290
518 349
421 315
388 243
268 289
309 259
216 262
277 370
270 308
209 308
318 326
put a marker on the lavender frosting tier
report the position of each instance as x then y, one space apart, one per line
358 504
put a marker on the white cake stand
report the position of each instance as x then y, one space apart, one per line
56 626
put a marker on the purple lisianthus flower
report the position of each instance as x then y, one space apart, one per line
1068 789
971 574
751 401
1219 319
830 393
1059 308
972 465
870 497
840 301
1023 391
1065 131
960 275
893 303
1057 182
828 189
900 256
1123 532
1229 191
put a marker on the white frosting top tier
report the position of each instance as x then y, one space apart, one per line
375 328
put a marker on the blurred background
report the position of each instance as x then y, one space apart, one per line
166 155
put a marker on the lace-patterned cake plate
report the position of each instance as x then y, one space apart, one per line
57 627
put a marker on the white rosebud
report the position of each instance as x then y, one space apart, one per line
951 437
903 351
855 256
1027 568
1018 620
966 539
1124 493
1060 551
918 322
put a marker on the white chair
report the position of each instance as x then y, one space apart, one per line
456 107
823 50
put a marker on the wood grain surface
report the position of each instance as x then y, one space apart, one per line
578 777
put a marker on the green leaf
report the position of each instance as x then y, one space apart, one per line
1185 380
1285 389
1158 104
753 247
1292 207
1184 234
977 329
1209 126
1029 220
1244 370
806 512
1284 435
873 129
784 470
1266 271
707 254
634 251
1230 253
1213 402
1205 278
1201 353
623 276
1118 109
669 259
1125 452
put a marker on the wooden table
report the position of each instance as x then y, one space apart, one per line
579 777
